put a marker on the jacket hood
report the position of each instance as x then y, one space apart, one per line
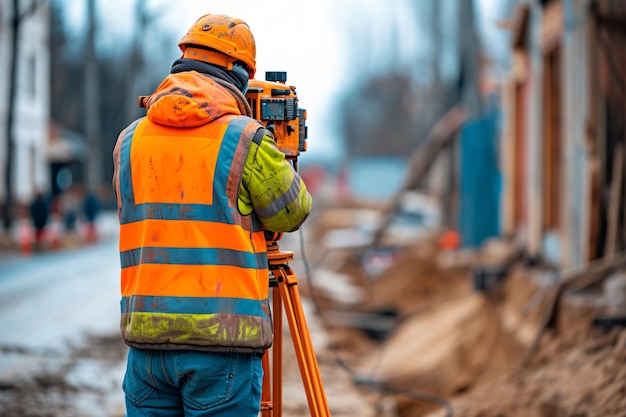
189 99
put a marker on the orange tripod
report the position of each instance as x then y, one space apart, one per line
284 284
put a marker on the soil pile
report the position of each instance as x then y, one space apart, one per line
423 327
583 380
400 331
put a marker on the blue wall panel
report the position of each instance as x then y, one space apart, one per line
480 183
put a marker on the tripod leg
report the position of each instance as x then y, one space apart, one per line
272 398
277 352
267 407
309 369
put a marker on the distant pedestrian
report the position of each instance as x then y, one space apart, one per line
91 208
39 213
70 208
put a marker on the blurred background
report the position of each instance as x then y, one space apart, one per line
455 147
373 77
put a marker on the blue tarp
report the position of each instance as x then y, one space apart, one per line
480 182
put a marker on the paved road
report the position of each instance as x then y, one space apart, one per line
60 348
59 331
50 299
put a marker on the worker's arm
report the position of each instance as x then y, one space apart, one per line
273 189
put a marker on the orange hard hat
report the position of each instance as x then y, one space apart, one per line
221 40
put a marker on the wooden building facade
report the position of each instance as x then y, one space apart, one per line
564 131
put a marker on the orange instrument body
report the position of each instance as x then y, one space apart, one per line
275 104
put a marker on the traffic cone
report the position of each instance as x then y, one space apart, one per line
25 237
450 240
91 233
54 234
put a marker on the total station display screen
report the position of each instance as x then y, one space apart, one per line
272 109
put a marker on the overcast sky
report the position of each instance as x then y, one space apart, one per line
308 39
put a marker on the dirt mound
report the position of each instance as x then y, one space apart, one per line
416 279
584 381
448 348
515 349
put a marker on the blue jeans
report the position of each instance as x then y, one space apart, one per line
176 383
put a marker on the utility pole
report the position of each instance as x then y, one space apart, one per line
91 101
10 144
145 15
469 52
437 42
136 60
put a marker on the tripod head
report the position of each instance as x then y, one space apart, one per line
275 255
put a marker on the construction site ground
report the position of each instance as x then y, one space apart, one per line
400 331
424 331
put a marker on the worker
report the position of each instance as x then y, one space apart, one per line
197 182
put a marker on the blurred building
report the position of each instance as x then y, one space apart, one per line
565 131
30 171
66 153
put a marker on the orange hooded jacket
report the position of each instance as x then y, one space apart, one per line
194 269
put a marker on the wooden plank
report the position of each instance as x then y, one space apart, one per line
521 150
571 280
552 147
507 155
592 230
520 26
615 201
578 279
420 163
552 25
361 320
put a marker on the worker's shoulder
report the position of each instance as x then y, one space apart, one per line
260 134
244 120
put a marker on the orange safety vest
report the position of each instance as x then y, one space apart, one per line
194 270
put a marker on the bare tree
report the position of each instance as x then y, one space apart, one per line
91 100
469 49
380 116
136 61
390 114
8 200
139 74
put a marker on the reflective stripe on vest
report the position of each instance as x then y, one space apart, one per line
194 270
